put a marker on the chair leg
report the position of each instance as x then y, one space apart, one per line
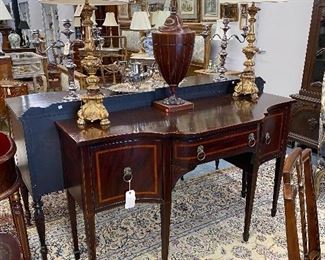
24 194
19 221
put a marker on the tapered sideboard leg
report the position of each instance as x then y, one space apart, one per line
244 184
277 183
165 210
89 219
251 186
73 222
40 225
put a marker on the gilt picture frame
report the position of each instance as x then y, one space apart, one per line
229 11
243 15
209 10
188 10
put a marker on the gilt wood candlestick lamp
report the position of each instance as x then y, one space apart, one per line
4 15
247 85
110 21
93 108
173 46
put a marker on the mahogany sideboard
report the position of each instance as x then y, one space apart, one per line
38 146
155 149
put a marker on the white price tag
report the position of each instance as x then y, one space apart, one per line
66 49
129 199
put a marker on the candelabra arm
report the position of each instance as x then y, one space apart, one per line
216 34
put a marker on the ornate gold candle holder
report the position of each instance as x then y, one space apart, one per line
93 108
247 85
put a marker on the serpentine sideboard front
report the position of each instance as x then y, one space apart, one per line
38 147
155 149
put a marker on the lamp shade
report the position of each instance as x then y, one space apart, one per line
140 21
4 14
110 20
80 2
158 18
77 21
23 25
93 18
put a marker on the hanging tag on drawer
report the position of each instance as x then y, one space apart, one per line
129 199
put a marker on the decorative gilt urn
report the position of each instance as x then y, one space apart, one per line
173 45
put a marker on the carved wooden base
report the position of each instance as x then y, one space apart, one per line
173 108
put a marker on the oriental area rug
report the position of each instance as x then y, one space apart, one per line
207 223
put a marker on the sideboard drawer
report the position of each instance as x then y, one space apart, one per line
271 134
115 164
206 149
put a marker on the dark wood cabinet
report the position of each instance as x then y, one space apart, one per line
156 149
305 112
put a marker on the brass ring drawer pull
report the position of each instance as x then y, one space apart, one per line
200 153
127 174
251 140
267 138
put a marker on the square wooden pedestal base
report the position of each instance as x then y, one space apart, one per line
173 108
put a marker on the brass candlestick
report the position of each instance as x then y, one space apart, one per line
93 108
247 85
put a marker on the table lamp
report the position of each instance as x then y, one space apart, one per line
246 85
110 22
140 22
92 108
4 15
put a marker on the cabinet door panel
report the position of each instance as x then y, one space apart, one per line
115 164
271 134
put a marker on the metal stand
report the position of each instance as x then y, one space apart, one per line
224 44
68 62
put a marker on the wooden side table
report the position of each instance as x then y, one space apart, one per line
10 180
5 67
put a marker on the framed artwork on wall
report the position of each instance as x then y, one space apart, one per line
123 12
243 15
209 10
229 11
188 9
134 7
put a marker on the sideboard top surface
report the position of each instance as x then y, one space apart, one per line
209 114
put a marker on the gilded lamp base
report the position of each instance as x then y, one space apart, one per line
246 87
92 110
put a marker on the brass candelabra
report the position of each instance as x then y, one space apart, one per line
93 108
